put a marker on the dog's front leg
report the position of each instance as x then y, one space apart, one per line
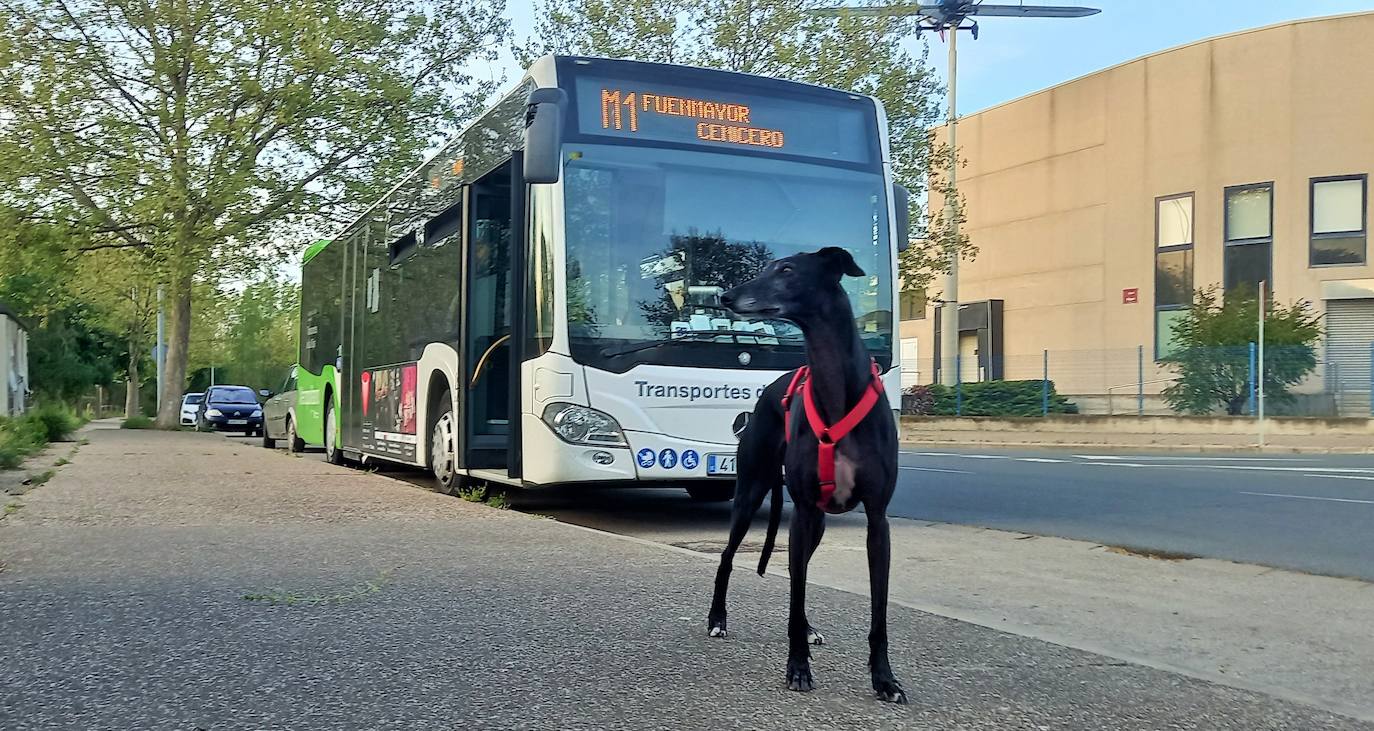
806 523
879 559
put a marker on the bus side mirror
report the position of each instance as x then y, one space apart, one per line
901 199
543 134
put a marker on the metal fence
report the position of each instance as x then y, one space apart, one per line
1131 381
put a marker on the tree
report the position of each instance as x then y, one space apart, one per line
1212 351
69 349
779 38
192 129
120 286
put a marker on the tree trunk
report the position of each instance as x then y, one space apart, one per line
131 406
178 343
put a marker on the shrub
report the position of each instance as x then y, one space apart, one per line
137 422
54 422
985 398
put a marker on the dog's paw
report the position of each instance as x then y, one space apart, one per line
889 691
799 676
813 637
718 630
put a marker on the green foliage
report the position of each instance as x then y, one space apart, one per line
985 398
1212 351
54 421
192 132
249 336
26 434
137 422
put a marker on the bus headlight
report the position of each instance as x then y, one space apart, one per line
581 425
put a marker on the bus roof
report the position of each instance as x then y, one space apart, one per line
313 249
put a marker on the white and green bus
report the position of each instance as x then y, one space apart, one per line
538 304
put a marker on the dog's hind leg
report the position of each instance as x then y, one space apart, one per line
814 637
806 523
879 559
749 493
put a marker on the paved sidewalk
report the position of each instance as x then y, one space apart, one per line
136 588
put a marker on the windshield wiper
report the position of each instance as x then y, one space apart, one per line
692 336
695 336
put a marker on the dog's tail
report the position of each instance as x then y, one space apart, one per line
774 518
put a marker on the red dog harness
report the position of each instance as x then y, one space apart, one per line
827 436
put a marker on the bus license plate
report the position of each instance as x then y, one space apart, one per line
720 464
233 422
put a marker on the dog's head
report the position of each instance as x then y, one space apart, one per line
794 287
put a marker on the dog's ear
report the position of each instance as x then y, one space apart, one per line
840 259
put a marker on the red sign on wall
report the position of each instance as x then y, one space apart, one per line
1130 295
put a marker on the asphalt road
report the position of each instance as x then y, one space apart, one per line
1309 513
1305 512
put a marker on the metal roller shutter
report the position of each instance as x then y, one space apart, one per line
1349 335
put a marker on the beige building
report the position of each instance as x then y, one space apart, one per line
14 363
1097 205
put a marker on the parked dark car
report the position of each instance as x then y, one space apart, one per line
230 408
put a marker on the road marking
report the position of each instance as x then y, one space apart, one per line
937 469
1342 477
1116 457
958 454
1044 460
1310 497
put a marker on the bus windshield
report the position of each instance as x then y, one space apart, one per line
654 236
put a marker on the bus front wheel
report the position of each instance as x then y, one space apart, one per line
712 493
443 460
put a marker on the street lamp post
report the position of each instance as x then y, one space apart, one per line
949 307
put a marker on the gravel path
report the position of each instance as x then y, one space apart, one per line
188 581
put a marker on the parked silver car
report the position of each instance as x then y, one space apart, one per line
279 416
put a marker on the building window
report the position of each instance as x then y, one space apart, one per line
913 304
1338 220
1173 266
1249 236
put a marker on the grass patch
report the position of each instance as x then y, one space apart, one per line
137 422
61 462
28 433
293 598
13 507
483 494
40 478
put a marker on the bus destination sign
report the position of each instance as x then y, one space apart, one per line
663 113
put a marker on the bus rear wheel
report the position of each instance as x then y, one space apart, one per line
332 453
443 460
711 493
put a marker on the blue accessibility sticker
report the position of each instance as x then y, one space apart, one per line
690 459
646 457
667 459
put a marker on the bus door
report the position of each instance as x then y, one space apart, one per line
487 348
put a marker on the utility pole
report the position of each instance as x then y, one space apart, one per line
949 306
160 351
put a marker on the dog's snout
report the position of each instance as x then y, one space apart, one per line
727 299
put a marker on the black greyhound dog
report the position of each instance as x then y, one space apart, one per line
829 468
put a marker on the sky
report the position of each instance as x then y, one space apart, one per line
1014 57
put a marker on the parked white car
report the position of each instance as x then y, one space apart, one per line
190 404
